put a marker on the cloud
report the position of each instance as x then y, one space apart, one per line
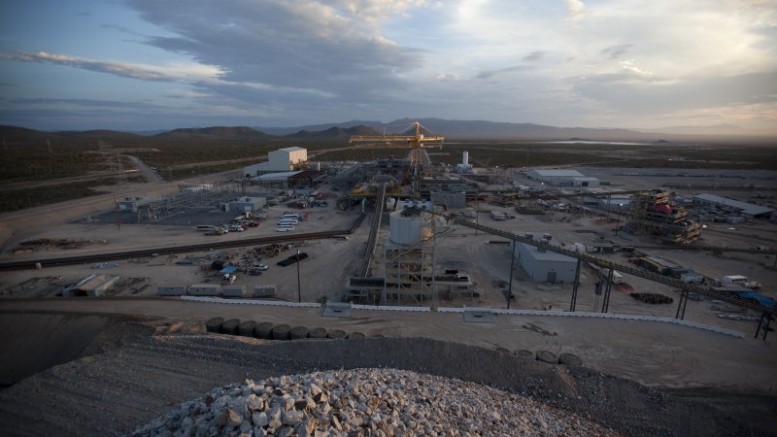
447 76
534 56
326 48
642 94
575 7
87 103
491 73
616 51
134 71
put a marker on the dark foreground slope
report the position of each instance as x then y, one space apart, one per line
113 392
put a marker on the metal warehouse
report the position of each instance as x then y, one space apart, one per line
544 266
735 206
563 178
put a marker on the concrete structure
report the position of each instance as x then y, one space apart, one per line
170 291
545 266
246 204
204 290
281 160
450 199
563 178
734 206
92 285
265 291
464 166
235 291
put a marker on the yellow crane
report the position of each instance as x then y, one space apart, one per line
416 140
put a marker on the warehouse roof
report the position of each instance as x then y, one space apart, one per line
559 173
546 255
276 176
292 149
746 208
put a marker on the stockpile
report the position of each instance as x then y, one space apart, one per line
366 402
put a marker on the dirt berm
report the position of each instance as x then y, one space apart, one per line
111 393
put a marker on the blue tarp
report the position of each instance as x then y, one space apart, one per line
766 301
228 270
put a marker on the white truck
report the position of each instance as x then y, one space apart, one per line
739 281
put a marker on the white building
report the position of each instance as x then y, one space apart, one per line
545 266
281 160
563 178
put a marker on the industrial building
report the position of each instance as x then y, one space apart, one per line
135 202
544 266
732 206
245 204
289 179
92 285
281 160
563 178
450 199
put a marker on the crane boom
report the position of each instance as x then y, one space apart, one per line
415 141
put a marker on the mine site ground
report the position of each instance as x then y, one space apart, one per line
655 354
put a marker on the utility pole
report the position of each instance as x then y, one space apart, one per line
299 288
510 284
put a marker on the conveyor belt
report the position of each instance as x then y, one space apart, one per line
634 271
372 241
167 250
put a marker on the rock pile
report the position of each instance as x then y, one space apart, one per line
366 402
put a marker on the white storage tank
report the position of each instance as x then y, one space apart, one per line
409 226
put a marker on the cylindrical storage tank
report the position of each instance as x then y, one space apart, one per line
465 158
409 226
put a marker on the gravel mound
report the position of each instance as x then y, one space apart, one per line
362 402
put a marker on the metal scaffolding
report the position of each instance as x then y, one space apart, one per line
655 213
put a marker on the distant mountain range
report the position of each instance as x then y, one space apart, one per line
488 130
460 130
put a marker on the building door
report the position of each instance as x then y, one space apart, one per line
551 277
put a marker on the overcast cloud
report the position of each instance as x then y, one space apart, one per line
616 63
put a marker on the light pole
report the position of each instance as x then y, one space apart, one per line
299 289
477 211
510 284
618 221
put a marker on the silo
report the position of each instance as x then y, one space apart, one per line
409 226
465 158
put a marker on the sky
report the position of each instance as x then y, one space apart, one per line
140 65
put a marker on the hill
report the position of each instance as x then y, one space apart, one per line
333 133
215 132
